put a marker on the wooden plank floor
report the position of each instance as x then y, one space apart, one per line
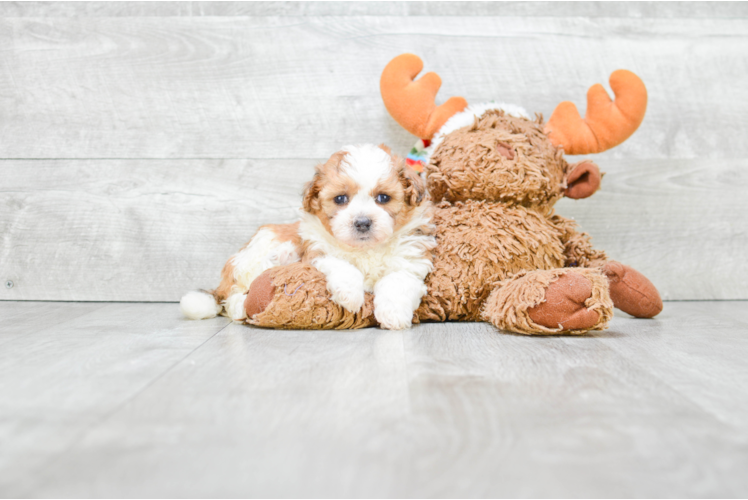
129 399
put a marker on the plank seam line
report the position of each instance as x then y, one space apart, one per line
165 158
101 420
698 160
400 15
94 301
177 302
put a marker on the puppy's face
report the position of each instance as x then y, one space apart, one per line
363 194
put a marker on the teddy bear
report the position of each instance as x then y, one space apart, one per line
503 255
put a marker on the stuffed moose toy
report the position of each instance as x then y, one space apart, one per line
502 254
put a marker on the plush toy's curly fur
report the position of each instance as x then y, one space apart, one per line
479 244
300 300
500 158
502 254
509 304
500 245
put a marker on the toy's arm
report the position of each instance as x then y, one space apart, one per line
295 296
578 250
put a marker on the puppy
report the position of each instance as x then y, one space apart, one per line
365 224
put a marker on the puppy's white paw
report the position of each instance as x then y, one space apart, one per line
350 295
234 306
393 315
344 282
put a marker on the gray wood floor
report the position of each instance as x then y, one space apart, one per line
129 399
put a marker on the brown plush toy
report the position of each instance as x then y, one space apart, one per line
502 253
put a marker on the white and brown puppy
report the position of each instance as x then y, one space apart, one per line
365 224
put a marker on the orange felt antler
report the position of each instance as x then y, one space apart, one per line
607 123
411 103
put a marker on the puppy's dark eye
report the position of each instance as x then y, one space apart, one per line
383 198
340 199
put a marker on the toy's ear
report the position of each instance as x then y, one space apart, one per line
411 102
583 180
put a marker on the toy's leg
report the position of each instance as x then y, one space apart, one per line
550 302
631 291
295 296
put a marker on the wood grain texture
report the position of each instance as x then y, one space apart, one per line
467 8
132 401
679 222
135 230
95 9
571 415
300 86
150 230
59 379
141 144
701 10
15 316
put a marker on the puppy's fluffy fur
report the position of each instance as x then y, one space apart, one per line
365 224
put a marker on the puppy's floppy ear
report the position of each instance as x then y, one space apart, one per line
311 193
415 189
387 150
311 201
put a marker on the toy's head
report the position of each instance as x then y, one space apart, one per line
496 152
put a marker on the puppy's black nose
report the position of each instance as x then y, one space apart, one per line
362 224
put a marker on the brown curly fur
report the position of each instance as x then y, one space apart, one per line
301 301
471 163
499 242
507 306
478 244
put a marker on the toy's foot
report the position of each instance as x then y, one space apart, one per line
564 304
631 291
260 294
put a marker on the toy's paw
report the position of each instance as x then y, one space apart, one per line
564 304
392 314
260 294
631 291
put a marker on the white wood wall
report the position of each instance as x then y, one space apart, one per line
141 144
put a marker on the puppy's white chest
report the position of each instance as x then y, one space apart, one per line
373 265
